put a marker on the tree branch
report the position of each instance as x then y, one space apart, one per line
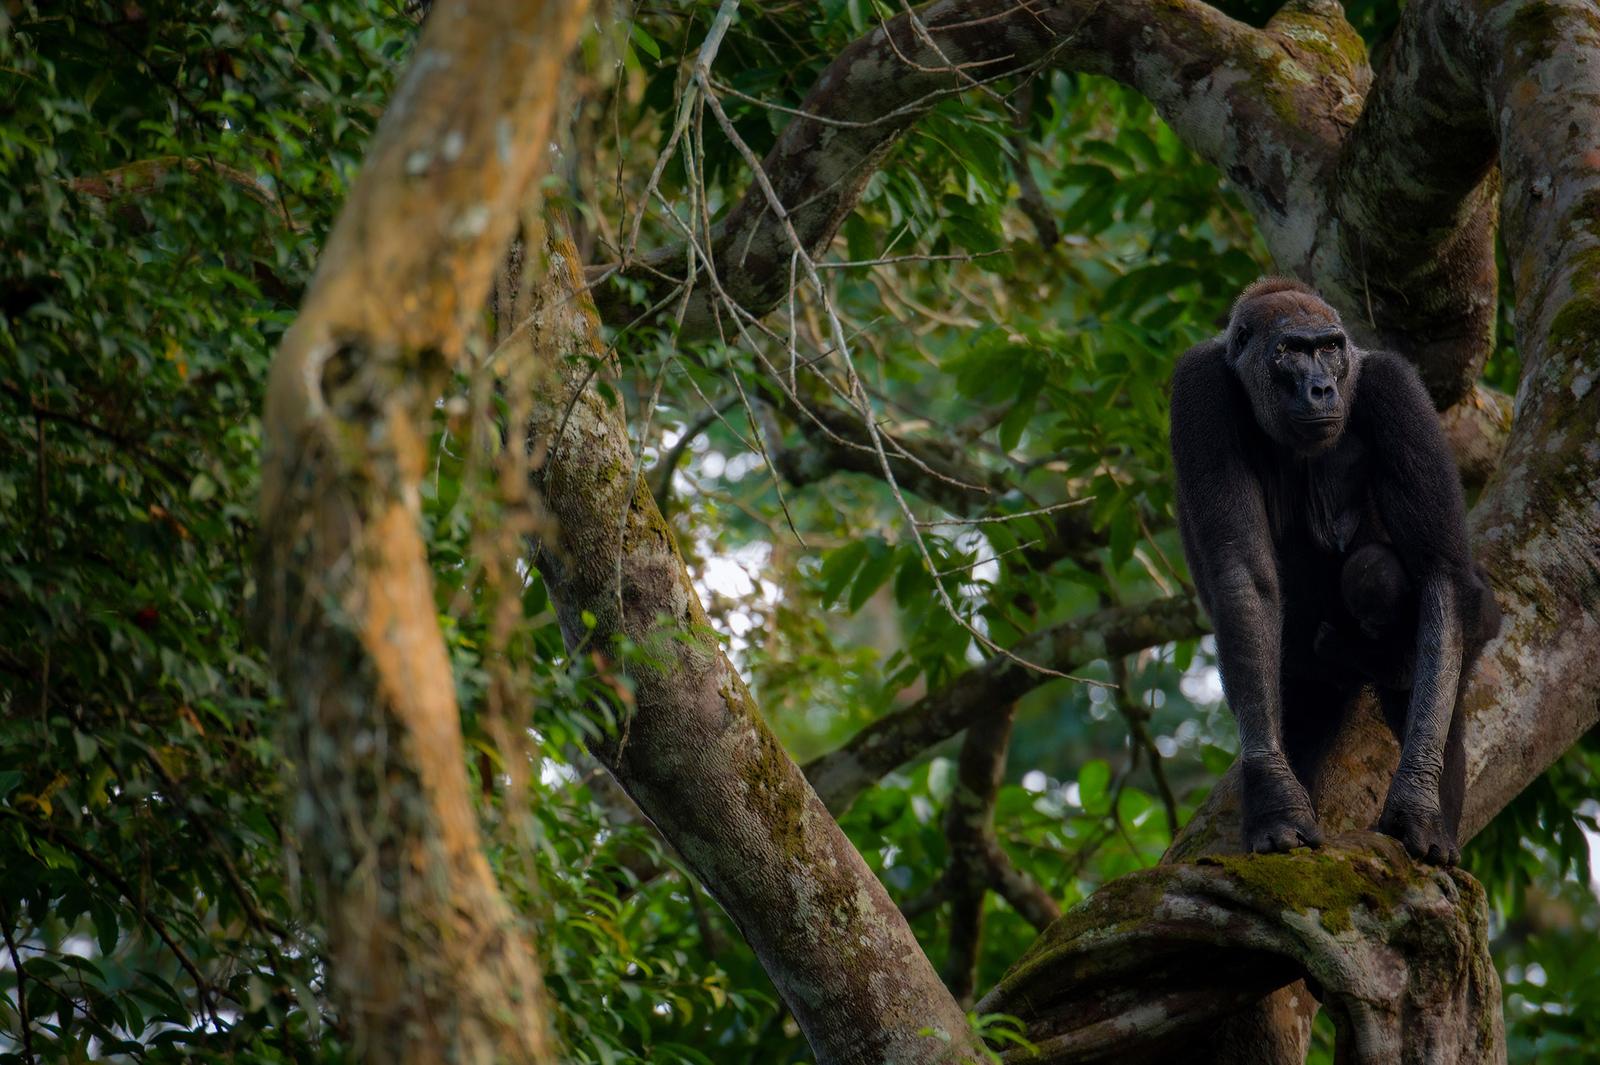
840 775
1415 198
1393 223
24 1022
1536 689
1538 521
977 862
883 83
1476 429
1399 953
836 442
1030 198
693 750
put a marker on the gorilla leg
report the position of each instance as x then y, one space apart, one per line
1314 713
1453 780
1483 624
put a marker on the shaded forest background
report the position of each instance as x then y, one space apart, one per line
1015 284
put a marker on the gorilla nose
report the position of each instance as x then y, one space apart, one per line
1321 395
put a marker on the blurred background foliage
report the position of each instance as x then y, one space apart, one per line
167 174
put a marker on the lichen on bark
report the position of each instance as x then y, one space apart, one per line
1396 951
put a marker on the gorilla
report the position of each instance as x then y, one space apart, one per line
1324 525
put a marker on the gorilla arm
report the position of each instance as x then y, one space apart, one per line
1223 520
1419 498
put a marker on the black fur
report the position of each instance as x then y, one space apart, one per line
1324 524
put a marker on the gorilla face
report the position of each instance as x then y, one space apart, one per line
1296 364
1309 369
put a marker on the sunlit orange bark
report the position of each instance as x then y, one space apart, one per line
428 962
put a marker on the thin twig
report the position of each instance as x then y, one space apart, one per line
998 519
202 988
22 986
858 391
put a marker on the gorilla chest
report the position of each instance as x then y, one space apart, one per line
1320 505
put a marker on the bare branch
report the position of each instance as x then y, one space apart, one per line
24 1022
1031 198
840 775
977 863
882 84
1137 718
1414 272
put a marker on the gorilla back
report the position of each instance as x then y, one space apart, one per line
1324 525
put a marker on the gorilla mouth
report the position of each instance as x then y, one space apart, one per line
1320 421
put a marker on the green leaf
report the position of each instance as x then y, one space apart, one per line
1123 533
874 571
1016 419
1094 781
105 925
1183 653
839 567
645 42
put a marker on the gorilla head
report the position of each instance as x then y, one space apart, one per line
1296 364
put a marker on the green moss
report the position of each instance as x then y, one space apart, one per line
1578 321
1535 19
1329 882
1278 96
775 783
1534 26
1333 44
1585 217
1117 906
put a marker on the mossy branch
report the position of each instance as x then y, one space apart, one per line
1398 954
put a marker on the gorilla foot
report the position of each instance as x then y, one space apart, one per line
1277 812
1421 828
1273 835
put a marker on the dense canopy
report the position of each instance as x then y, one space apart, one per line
886 486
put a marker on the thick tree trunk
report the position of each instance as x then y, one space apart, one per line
427 961
690 746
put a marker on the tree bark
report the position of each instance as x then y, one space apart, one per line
1398 953
428 962
690 746
842 774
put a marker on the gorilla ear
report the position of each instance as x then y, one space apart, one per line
1236 339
